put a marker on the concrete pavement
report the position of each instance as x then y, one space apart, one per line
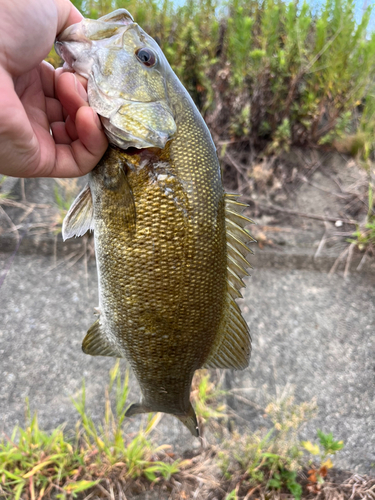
309 330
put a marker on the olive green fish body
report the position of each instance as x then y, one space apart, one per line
170 245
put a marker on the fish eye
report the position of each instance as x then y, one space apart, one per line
146 56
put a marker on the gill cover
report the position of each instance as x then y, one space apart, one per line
128 92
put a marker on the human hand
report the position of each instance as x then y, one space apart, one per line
35 99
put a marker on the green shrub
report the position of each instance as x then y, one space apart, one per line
305 77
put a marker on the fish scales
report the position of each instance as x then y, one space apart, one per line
170 244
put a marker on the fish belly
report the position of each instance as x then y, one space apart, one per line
163 286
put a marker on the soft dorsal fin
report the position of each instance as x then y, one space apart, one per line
80 217
234 349
96 343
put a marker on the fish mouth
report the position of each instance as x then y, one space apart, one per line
128 121
70 45
77 39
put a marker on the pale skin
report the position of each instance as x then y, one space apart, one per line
36 99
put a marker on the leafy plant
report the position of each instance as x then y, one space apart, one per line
207 398
283 477
272 458
364 236
305 76
164 470
38 463
328 447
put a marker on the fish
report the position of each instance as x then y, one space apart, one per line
171 246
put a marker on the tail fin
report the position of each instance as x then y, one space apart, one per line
189 420
136 409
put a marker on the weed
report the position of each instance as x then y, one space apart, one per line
278 74
41 463
164 470
35 464
328 447
284 478
270 458
364 235
65 192
207 398
3 195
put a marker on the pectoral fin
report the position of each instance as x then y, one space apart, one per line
119 205
80 217
127 206
96 343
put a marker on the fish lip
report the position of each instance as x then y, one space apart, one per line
74 33
77 33
65 41
65 55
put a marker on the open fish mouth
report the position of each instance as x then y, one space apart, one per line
128 94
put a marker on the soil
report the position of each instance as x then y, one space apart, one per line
306 205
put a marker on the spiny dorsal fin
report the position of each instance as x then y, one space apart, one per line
96 343
234 349
80 217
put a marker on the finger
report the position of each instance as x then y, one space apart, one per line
67 15
47 77
70 93
82 80
60 134
90 130
71 129
18 146
54 110
64 131
82 155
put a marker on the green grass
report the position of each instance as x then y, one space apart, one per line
38 465
276 74
364 235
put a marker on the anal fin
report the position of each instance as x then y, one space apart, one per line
96 343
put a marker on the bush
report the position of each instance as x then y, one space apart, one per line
272 73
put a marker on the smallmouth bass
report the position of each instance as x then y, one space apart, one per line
171 246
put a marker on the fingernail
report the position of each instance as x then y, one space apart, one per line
97 120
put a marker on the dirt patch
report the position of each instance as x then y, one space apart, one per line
306 205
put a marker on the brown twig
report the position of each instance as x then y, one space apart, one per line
233 162
349 259
338 260
323 240
307 216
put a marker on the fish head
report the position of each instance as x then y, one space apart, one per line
127 78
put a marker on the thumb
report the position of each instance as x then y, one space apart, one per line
67 15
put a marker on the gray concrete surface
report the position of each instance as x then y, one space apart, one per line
309 330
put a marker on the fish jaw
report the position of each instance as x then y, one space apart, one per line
131 99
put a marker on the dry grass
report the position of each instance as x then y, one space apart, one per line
107 461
